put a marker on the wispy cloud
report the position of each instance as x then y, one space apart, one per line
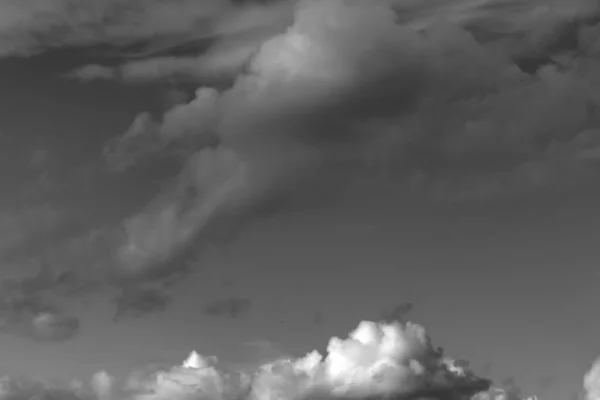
34 26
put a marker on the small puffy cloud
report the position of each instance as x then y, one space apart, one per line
54 326
232 307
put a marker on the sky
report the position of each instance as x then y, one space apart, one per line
248 179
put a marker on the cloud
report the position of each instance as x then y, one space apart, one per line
374 361
444 108
137 301
222 62
591 382
232 308
102 385
346 88
399 313
36 26
92 73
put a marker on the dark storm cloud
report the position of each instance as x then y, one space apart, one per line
233 307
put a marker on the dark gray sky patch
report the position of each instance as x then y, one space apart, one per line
546 383
399 313
136 302
318 318
233 307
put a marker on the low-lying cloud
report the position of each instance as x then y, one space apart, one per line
375 361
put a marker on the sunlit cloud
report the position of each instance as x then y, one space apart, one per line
375 360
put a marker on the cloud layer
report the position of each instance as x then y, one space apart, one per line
375 361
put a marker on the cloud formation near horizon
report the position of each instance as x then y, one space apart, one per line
375 361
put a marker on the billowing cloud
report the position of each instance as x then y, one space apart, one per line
376 360
347 88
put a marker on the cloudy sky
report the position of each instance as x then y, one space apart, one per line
250 178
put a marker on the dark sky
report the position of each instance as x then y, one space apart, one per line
202 178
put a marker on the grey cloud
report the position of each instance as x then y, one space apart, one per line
347 88
232 308
446 116
35 26
54 327
416 371
92 73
